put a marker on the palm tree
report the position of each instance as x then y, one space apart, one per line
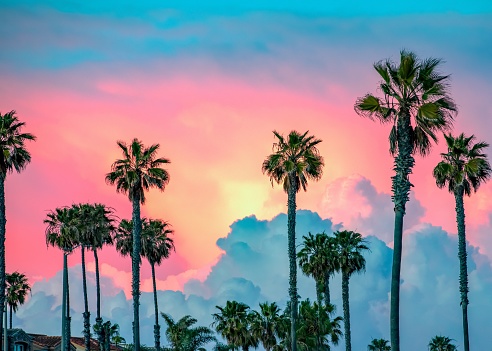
315 328
463 168
102 223
138 171
62 232
441 343
156 246
85 239
17 289
379 345
350 246
232 323
266 325
117 340
183 337
317 259
417 104
13 156
294 161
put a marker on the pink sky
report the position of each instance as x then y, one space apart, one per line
216 130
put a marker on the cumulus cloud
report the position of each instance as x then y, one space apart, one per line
254 268
370 211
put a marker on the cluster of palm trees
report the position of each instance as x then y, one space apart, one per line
415 101
417 104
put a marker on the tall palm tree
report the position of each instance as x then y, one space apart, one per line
350 246
183 337
17 289
416 102
266 325
156 246
103 228
85 239
95 230
463 169
294 161
441 343
13 156
62 232
232 323
138 171
379 345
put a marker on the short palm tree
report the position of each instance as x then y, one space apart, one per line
294 161
350 246
17 289
316 329
13 156
417 103
138 171
379 345
317 259
463 169
62 232
232 323
441 343
266 325
182 336
156 246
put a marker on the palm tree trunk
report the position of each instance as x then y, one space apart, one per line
157 327
64 302
346 310
98 302
68 332
3 223
327 290
460 219
11 311
137 229
291 230
404 162
86 314
319 292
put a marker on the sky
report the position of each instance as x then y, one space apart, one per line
209 82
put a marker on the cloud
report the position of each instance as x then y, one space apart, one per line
355 202
254 268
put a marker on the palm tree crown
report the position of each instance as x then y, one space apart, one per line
441 343
350 246
139 170
182 336
156 243
62 229
232 324
14 155
379 345
267 325
413 88
464 164
298 156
